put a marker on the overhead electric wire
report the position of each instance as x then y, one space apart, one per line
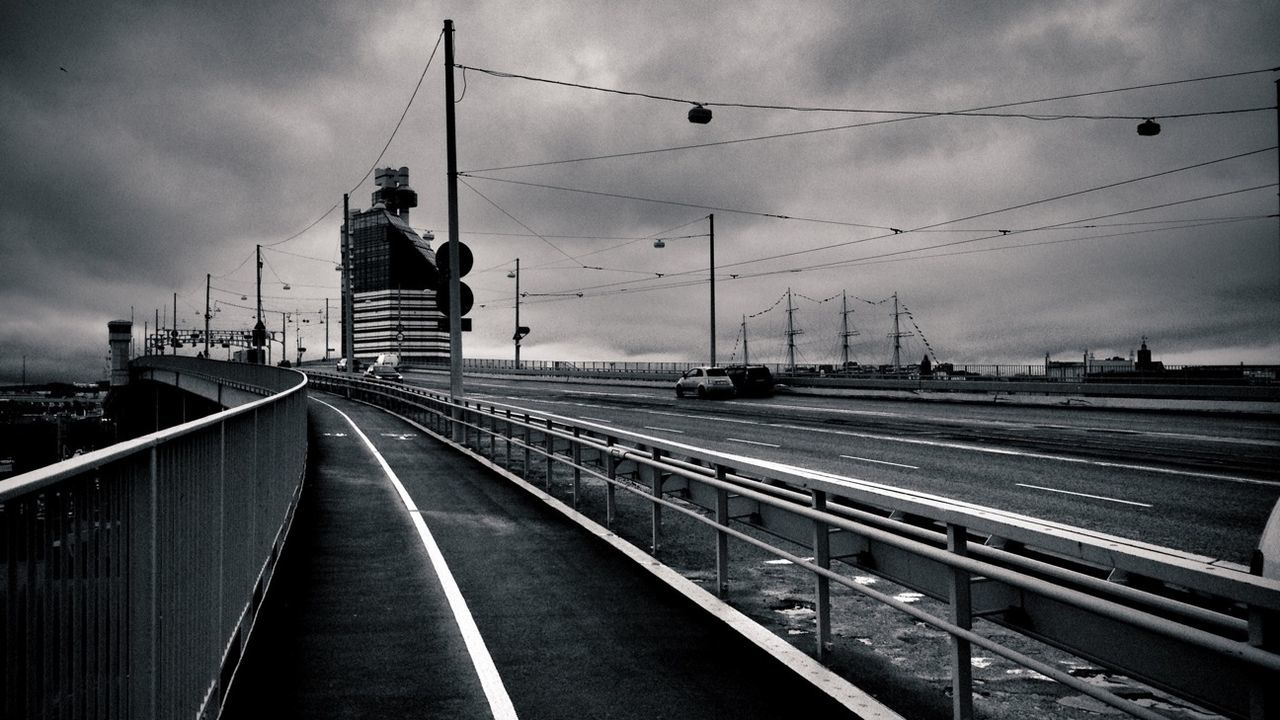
842 263
973 112
894 231
676 203
517 220
908 115
897 255
386 145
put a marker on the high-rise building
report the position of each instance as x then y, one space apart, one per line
393 278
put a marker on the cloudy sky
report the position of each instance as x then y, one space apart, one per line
145 145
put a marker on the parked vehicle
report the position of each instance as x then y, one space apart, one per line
751 380
705 382
383 372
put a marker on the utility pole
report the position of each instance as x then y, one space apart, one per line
348 296
451 162
259 329
206 315
517 333
746 358
326 329
173 333
712 234
159 333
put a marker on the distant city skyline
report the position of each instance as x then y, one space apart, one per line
150 146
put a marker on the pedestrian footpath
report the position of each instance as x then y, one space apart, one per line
418 584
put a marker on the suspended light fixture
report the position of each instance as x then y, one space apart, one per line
699 115
659 243
244 297
511 273
1148 128
286 286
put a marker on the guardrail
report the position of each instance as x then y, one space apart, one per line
133 574
1259 387
1188 626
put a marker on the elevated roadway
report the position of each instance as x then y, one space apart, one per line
1196 481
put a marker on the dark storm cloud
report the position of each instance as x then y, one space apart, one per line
179 136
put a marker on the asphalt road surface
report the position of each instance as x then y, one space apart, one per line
1199 482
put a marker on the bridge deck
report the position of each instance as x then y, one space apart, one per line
357 623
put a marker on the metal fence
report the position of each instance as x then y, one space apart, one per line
133 574
1199 374
1182 624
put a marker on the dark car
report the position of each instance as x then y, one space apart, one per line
751 380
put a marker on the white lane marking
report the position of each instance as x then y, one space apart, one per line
599 420
1080 494
753 442
1024 424
881 462
703 417
1034 456
499 702
662 429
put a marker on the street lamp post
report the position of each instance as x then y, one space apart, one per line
517 337
711 236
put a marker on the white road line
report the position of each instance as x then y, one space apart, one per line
499 702
753 442
703 417
881 462
599 420
1034 456
662 429
1095 497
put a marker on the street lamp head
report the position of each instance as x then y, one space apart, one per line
659 243
699 115
511 273
1148 128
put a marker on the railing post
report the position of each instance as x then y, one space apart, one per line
527 432
510 432
822 590
961 615
656 485
551 452
610 491
722 539
577 465
1264 697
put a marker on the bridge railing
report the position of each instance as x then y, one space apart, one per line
1184 624
132 575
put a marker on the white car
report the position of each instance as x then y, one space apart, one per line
705 382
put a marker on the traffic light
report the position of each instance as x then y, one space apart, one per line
466 299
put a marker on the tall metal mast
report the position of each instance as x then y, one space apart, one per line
791 333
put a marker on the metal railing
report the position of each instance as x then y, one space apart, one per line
1183 624
133 574
1184 374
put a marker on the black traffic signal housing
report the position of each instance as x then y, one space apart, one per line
466 298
